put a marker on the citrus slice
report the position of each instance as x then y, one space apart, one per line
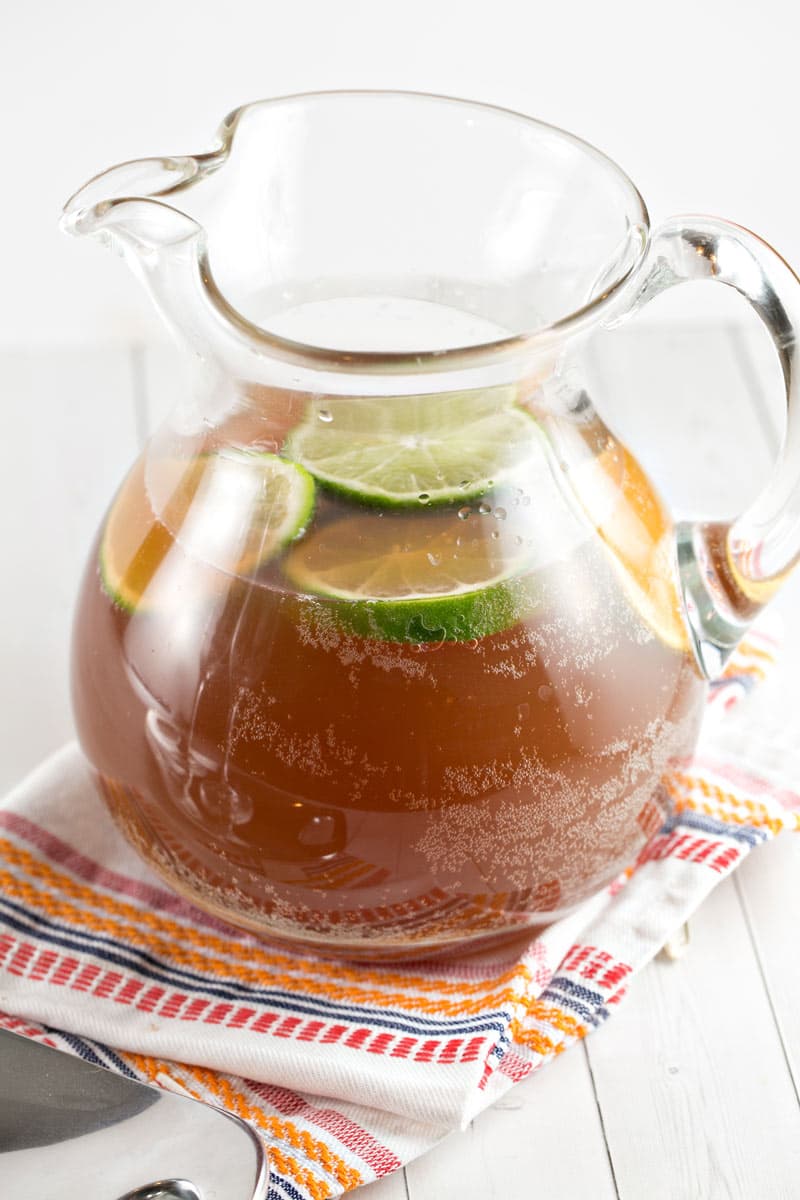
232 511
638 532
405 450
425 577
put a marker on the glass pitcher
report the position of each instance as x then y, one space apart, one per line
387 642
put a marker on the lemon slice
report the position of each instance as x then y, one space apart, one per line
232 511
431 576
405 450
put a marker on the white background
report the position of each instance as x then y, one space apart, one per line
698 101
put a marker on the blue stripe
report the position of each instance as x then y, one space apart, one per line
738 833
588 1014
578 990
46 930
82 1048
287 1189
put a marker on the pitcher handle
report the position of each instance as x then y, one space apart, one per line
728 571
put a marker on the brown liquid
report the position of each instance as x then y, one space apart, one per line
370 797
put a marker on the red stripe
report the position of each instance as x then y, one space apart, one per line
426 1050
472 1050
85 978
173 1004
450 1050
194 1009
241 1017
150 999
43 964
7 944
287 1026
67 967
404 1047
106 984
310 1031
357 1038
131 989
263 1023
24 954
218 1014
333 1034
379 1044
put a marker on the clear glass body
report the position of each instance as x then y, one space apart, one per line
382 647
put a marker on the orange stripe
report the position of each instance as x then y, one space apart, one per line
170 951
758 814
747 649
210 1085
278 1127
16 856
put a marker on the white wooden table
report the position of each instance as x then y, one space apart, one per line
691 1091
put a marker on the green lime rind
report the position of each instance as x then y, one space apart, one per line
398 452
117 598
464 617
306 505
290 495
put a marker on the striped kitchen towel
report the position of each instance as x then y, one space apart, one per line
346 1070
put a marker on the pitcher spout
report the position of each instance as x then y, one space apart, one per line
130 208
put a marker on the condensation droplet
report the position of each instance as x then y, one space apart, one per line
545 692
526 501
424 498
518 540
464 484
495 534
434 559
501 514
464 512
484 509
325 414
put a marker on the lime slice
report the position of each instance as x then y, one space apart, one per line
405 450
232 511
426 577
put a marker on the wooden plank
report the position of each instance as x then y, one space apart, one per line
525 1145
692 1083
69 435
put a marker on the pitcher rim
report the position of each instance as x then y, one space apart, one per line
414 361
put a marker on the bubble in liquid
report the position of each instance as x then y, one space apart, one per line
500 514
484 509
424 498
464 512
545 692
325 414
